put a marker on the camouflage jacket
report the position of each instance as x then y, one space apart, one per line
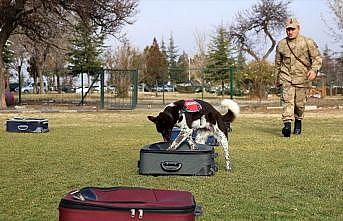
289 68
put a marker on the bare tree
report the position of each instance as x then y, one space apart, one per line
334 23
336 29
199 60
37 19
124 57
20 52
39 52
200 39
56 63
127 56
255 27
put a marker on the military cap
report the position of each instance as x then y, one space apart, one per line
292 23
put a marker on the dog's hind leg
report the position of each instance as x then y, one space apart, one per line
183 135
222 139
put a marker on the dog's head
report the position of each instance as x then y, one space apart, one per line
164 124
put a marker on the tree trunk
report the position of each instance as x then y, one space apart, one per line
58 83
40 80
262 92
2 79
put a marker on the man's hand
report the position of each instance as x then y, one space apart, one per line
311 75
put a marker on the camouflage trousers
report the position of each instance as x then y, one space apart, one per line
294 99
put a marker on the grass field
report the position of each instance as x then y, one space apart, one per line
273 178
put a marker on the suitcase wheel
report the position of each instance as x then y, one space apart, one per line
213 170
198 211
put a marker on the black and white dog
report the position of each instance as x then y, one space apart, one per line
197 115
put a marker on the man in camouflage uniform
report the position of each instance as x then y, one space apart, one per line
297 62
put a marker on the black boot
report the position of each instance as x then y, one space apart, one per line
297 127
286 130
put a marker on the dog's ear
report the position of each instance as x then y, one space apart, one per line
152 118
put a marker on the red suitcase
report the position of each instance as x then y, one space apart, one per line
129 204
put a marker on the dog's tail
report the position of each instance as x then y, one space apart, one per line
233 110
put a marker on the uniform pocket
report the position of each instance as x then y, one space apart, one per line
286 55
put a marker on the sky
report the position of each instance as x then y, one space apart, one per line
182 18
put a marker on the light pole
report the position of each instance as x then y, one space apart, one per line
189 69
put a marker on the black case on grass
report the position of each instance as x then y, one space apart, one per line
27 125
156 160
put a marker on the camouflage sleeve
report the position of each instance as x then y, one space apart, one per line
315 56
278 60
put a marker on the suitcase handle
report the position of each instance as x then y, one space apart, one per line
171 166
23 127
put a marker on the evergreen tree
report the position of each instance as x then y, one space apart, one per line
156 64
239 67
164 48
219 57
172 59
240 60
87 45
183 67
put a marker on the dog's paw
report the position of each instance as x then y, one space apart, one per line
194 147
229 168
171 149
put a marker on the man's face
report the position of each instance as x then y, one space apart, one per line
292 32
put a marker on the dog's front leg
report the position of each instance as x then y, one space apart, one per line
192 144
222 139
184 133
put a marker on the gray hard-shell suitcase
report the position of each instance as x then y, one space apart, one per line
27 125
156 160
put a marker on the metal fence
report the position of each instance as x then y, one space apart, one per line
127 89
120 89
109 89
124 89
196 83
